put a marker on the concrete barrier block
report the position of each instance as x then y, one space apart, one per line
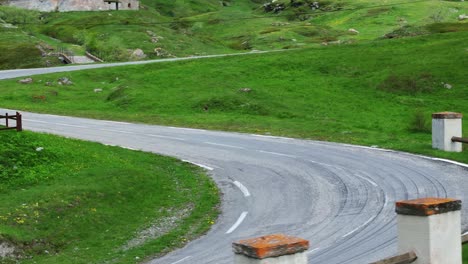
446 125
431 228
271 249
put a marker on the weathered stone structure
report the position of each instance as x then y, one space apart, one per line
75 5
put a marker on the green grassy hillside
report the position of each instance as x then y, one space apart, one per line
96 205
183 28
465 254
375 93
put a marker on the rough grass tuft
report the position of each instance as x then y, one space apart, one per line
402 84
420 123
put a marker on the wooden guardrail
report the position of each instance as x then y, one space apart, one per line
94 58
406 258
460 139
17 117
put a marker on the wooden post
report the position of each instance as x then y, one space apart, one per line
19 122
6 119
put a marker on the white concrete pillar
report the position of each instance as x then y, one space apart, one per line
431 228
446 125
271 249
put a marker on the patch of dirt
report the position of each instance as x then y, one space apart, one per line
6 250
159 228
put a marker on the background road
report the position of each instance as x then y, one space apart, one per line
8 74
339 197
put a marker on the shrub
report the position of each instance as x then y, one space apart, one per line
420 123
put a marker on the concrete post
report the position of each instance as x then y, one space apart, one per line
271 249
431 228
446 125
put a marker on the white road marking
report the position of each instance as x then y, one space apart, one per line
223 145
118 131
277 154
128 148
324 164
168 137
116 122
185 128
199 165
184 259
70 125
366 179
238 222
312 250
359 227
274 137
451 161
466 233
243 189
36 121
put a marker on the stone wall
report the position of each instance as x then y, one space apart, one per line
74 5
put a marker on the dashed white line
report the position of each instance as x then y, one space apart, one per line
238 222
223 145
323 164
312 250
179 261
359 227
128 148
277 154
199 165
366 179
243 189
168 137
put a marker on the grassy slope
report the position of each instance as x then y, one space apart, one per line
327 93
209 28
60 205
465 254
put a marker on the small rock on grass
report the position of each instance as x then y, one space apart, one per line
26 81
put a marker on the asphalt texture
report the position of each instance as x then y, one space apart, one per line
339 197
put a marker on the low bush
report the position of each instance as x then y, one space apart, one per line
402 84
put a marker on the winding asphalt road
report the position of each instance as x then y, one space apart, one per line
339 197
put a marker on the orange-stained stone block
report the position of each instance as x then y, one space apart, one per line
270 246
447 115
427 206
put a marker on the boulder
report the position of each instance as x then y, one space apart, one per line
26 81
138 54
64 81
462 17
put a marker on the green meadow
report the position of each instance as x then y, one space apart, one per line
378 93
99 204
